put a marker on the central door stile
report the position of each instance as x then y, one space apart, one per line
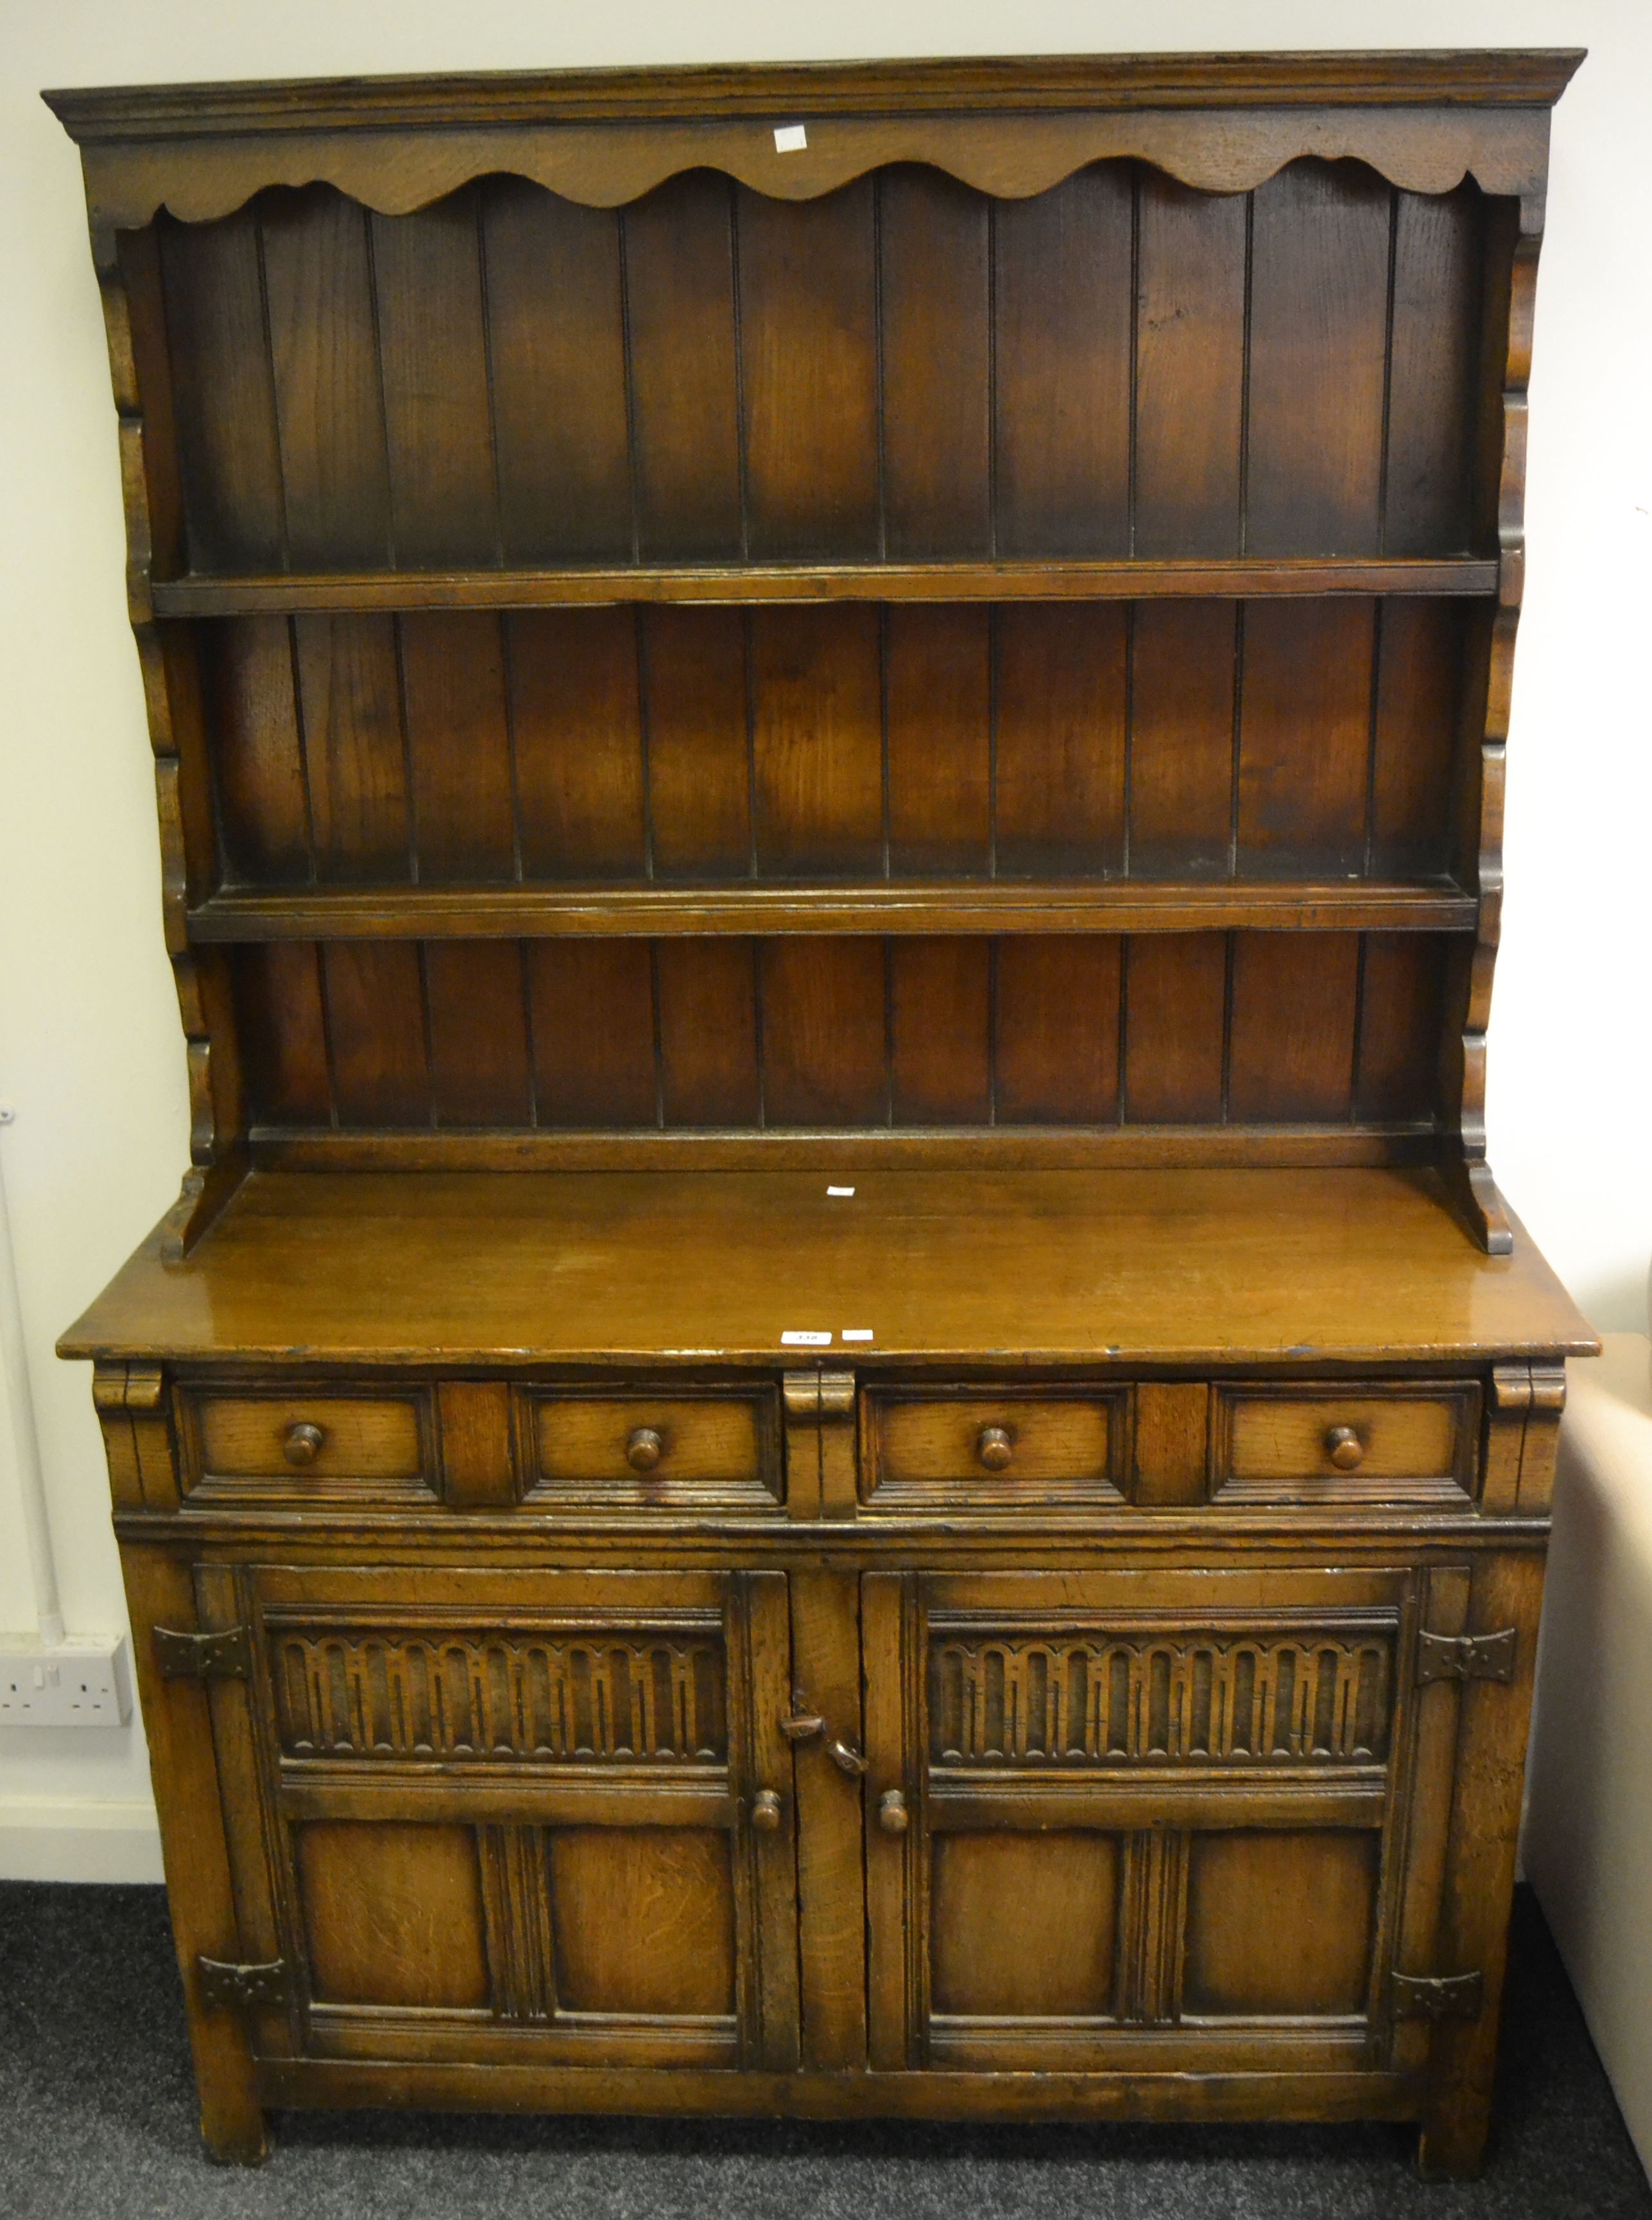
826 1679
759 1649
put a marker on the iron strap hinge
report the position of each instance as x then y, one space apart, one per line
226 1653
1443 1996
1467 1656
227 1988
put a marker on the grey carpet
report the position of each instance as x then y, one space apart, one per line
96 2118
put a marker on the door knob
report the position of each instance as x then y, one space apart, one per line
891 1815
765 1810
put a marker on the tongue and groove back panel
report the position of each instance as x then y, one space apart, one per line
903 369
656 665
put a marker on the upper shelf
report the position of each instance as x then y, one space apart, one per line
910 906
267 594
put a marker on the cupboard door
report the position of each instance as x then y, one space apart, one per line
1189 1820
483 1817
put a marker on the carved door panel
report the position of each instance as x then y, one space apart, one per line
1195 1821
492 1817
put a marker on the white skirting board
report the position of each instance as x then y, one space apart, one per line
1589 1793
78 1839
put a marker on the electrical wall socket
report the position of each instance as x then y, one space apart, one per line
85 1682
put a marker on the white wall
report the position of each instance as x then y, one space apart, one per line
89 1049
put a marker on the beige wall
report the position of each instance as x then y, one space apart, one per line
90 1051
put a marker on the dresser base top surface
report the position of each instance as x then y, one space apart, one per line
1228 1267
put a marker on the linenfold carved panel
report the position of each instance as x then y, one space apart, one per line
1100 1697
637 1695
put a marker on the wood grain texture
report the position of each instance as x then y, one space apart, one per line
1191 1261
849 702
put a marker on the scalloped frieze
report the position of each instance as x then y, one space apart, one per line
605 165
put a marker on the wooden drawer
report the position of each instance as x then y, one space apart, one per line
700 1450
1401 1441
322 1446
966 1448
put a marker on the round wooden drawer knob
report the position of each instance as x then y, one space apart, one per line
765 1810
892 1811
1345 1448
645 1449
994 1449
304 1444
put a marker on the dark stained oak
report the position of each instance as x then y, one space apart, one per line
838 1418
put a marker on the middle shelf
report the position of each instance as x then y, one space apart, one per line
1044 907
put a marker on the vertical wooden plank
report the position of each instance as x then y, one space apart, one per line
578 734
1443 1609
800 1396
557 340
1172 1442
349 700
1420 681
1503 1427
1304 734
1061 739
1056 1030
120 1449
932 241
707 1031
434 357
699 781
1176 1001
1189 368
223 399
679 263
897 1924
319 278
200 1897
1439 257
759 1645
1537 1449
1291 1052
591 1007
478 1032
1489 1775
478 1456
1182 670
817 742
809 365
279 1023
1061 283
1402 1016
826 1669
937 694
1318 330
824 1057
458 744
263 814
375 1024
940 992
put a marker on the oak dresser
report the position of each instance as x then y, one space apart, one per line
838 1418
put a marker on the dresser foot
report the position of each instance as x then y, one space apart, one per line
236 2134
1452 2147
